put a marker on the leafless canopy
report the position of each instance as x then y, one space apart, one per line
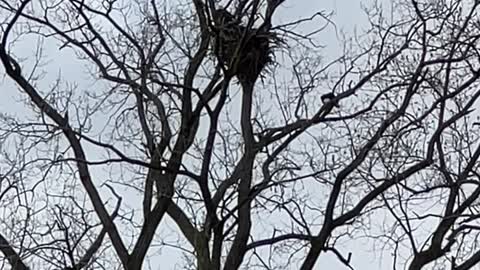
192 134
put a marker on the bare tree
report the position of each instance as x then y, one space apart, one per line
199 126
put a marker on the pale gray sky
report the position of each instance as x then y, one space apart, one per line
348 16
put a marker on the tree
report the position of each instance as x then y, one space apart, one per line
204 118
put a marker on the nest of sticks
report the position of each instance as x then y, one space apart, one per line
246 52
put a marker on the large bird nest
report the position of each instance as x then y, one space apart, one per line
245 51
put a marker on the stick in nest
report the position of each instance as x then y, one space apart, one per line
246 52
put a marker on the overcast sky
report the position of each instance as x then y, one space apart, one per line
348 16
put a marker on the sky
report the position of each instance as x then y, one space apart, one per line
348 17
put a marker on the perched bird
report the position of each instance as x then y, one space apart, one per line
330 98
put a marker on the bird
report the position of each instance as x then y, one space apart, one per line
330 98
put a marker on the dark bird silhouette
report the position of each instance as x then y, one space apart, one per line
330 98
